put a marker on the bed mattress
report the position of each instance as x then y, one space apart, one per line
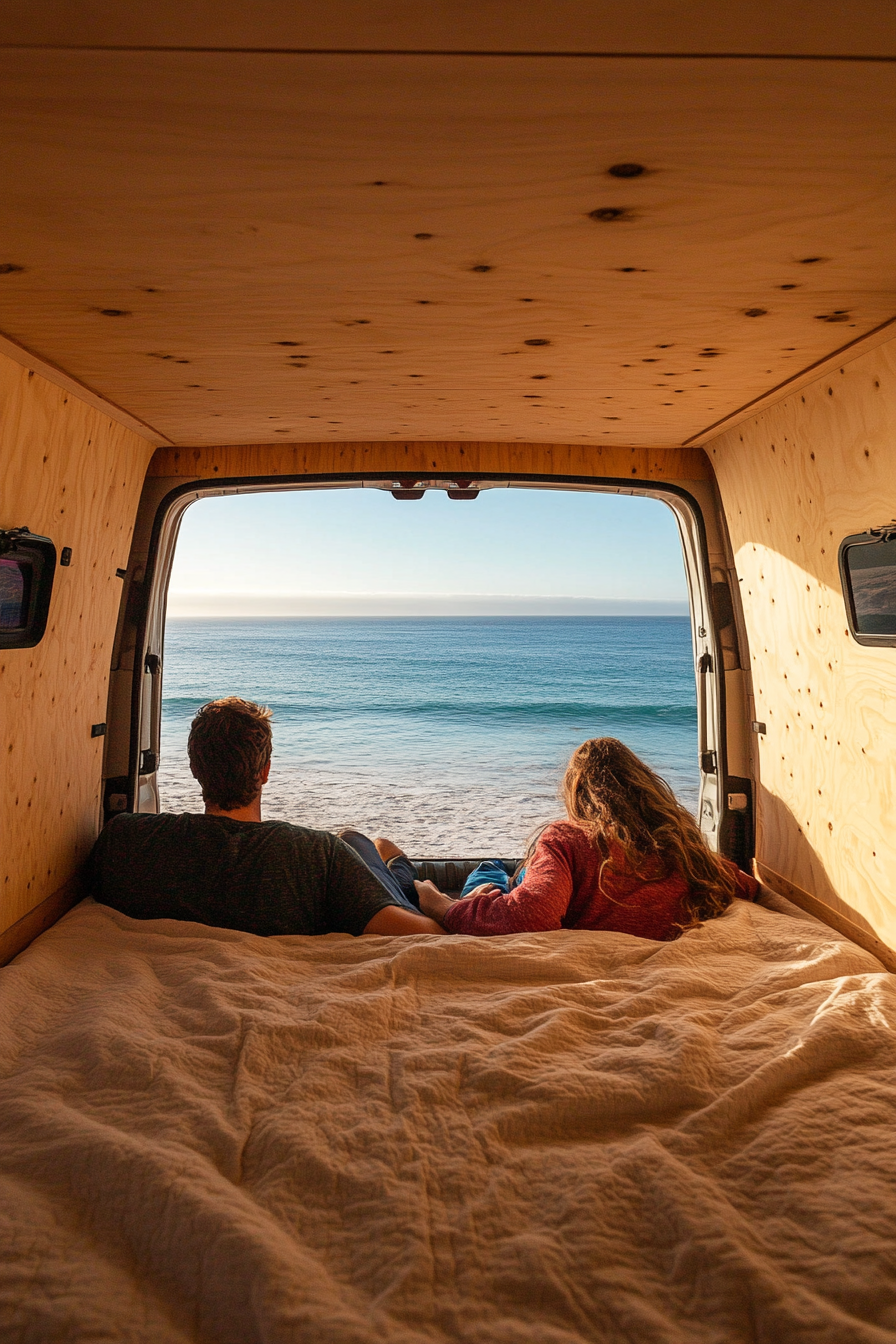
559 1137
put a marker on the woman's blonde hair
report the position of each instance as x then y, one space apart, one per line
617 799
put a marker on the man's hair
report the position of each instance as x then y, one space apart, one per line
229 747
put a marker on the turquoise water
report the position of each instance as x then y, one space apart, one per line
450 734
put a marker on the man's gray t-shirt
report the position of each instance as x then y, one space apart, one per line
265 877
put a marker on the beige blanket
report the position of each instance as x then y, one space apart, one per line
555 1137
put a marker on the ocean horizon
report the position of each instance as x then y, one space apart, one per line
184 604
449 734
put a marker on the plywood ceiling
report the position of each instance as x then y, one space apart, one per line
243 247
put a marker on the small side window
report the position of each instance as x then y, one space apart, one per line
868 575
27 565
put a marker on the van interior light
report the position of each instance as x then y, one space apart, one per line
415 489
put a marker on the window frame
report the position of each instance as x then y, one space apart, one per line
873 536
138 791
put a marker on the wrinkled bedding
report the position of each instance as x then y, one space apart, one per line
556 1137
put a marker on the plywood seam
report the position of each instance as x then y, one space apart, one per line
463 52
59 378
878 335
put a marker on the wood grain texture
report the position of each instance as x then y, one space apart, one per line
74 475
761 26
59 378
794 481
829 364
17 937
426 459
353 248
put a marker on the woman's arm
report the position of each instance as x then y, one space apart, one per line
436 904
536 905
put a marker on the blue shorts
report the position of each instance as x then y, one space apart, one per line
490 870
397 877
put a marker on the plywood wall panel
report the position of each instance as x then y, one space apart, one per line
428 459
794 481
71 473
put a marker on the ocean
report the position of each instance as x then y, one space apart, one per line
448 735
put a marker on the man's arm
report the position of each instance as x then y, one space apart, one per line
396 920
358 902
436 904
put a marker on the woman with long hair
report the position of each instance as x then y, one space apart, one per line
629 858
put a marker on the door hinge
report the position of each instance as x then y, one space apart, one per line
149 762
705 663
708 762
152 664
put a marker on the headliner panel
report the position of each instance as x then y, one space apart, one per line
227 202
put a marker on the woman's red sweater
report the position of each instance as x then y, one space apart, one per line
561 890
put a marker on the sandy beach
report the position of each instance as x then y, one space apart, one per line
427 818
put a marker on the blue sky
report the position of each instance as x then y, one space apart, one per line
353 552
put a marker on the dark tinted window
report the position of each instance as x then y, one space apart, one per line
14 593
27 564
869 576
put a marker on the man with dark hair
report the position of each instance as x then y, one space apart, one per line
230 751
232 870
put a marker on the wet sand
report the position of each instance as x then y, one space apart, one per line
427 818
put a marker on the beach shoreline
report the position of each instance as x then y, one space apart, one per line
448 736
428 820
